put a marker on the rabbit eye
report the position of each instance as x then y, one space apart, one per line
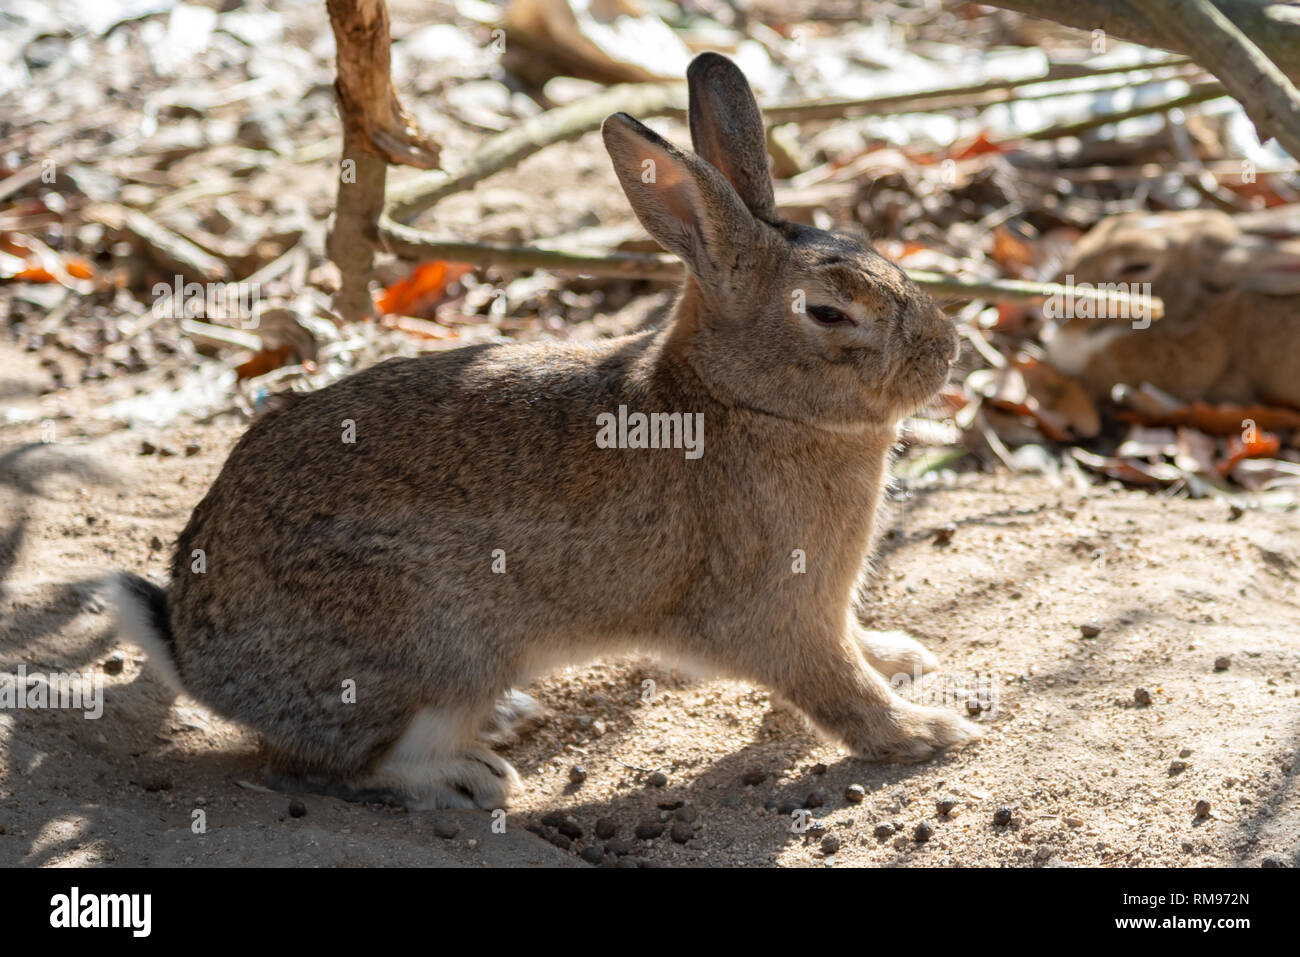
830 316
1135 269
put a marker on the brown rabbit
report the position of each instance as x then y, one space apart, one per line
1231 329
366 605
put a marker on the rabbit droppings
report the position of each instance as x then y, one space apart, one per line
367 606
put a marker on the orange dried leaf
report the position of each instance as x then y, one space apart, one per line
1261 445
78 268
26 260
981 145
1262 190
1013 318
1219 419
263 362
1011 252
34 274
10 244
424 287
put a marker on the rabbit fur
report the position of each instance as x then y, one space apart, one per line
1231 329
474 534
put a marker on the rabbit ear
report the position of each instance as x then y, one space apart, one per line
727 130
1260 265
682 201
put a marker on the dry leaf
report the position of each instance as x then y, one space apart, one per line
1011 252
1195 452
1216 419
1262 445
420 290
23 259
608 42
1127 470
419 327
981 145
263 362
1058 404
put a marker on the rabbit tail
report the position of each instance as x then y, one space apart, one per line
141 608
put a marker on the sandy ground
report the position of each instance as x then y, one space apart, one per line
1089 776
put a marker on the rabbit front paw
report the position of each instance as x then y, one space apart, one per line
912 733
895 652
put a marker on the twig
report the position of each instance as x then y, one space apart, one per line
178 198
165 247
19 180
1050 90
373 117
633 767
958 95
981 345
1108 174
278 266
409 243
55 317
554 126
220 335
376 132
413 244
141 323
1118 857
1016 290
1272 25
575 119
1268 97
353 236
992 440
1198 94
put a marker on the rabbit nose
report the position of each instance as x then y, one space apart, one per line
933 330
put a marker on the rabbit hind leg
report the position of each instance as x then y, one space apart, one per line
441 761
438 762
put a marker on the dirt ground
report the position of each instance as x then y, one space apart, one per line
1089 776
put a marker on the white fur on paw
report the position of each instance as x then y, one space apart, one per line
924 733
476 778
513 714
892 652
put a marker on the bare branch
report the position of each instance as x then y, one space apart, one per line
1268 97
1199 94
377 131
413 244
166 248
575 119
534 134
368 102
354 233
1274 26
